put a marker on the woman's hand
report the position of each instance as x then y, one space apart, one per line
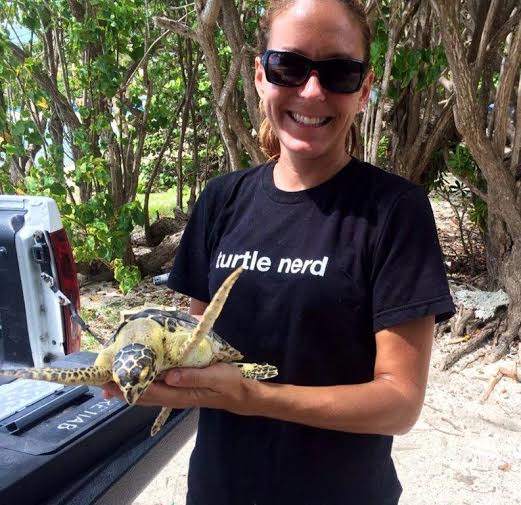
219 386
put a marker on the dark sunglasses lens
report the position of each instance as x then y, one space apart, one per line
286 69
341 76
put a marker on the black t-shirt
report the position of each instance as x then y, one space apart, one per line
325 268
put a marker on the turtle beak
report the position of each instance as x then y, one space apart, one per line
134 382
131 396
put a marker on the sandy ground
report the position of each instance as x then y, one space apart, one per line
461 451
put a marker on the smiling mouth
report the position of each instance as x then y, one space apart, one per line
309 120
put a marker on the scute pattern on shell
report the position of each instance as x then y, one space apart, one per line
130 360
171 320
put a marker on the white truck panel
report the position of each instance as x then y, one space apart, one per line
44 316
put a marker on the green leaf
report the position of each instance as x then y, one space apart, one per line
18 128
57 188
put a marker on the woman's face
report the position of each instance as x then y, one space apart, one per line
311 122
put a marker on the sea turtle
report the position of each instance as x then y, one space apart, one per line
151 342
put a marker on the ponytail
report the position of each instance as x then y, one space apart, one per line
268 141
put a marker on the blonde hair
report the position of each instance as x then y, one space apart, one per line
269 142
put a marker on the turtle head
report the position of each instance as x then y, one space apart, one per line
133 370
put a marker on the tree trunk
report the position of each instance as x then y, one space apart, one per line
488 150
152 263
235 35
166 226
196 162
504 269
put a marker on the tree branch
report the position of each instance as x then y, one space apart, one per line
63 63
485 34
434 139
175 26
211 12
234 31
501 34
506 84
397 23
142 129
370 5
464 82
500 180
136 66
516 143
64 107
231 79
251 145
77 9
155 170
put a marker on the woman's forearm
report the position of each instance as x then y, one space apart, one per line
376 407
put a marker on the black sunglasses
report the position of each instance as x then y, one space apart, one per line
340 75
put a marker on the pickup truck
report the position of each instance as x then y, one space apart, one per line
62 445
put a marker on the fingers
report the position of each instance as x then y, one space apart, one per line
210 377
111 390
186 387
160 394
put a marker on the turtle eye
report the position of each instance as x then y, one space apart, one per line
144 374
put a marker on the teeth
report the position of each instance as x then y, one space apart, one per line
312 121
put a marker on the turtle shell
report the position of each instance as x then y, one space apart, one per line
170 319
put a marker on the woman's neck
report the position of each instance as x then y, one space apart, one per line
290 174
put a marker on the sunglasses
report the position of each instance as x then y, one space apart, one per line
339 75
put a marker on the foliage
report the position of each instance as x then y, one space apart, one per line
99 45
462 164
379 48
128 277
383 149
6 186
97 231
92 92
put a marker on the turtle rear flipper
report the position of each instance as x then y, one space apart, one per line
92 375
256 371
160 420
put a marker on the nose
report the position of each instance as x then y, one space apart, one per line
312 87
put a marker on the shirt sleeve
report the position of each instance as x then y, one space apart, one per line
408 277
189 274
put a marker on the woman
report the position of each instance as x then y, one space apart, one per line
343 302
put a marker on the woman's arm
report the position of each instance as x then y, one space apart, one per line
389 404
197 308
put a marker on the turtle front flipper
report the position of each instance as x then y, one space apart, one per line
258 372
92 375
210 315
160 420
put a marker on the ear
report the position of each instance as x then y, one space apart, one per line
365 91
259 77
